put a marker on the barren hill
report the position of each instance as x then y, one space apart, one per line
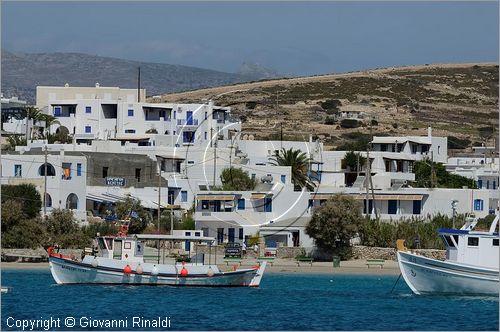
456 100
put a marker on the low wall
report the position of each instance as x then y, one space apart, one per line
363 252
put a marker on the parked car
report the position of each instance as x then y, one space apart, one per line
232 249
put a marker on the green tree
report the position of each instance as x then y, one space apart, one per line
443 179
26 233
353 161
132 210
13 141
300 164
334 224
236 179
64 231
25 193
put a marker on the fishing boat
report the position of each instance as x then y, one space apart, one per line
470 267
121 260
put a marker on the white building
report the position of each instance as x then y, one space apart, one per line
66 177
111 113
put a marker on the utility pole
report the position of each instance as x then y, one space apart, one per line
171 214
281 135
45 152
159 209
215 159
138 84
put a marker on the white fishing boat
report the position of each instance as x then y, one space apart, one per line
470 268
121 260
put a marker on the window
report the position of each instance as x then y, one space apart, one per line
184 196
310 204
48 200
448 241
392 206
129 131
105 172
383 147
495 242
220 235
206 136
18 170
417 207
138 174
50 170
283 179
88 109
268 204
130 112
72 202
241 204
206 115
175 115
57 111
253 176
230 232
478 205
88 129
78 169
473 241
190 162
479 184
66 168
240 234
204 205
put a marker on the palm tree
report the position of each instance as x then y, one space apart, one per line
32 113
49 121
13 141
300 164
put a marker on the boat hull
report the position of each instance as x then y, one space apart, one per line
431 276
66 271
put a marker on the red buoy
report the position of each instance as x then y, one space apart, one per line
127 269
184 272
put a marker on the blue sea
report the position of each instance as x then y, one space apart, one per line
283 302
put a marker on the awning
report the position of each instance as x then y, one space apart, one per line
381 197
215 197
170 156
378 197
259 195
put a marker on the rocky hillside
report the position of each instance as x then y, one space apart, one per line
21 73
459 101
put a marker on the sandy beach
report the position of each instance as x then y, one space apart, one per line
279 266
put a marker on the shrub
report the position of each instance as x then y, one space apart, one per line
236 179
349 123
458 143
31 201
330 120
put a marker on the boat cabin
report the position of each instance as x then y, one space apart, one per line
472 247
131 248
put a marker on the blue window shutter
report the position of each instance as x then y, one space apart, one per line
88 129
184 196
241 204
88 109
78 169
283 179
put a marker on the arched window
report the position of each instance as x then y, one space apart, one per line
72 202
48 200
50 170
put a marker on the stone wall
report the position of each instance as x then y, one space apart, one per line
363 252
290 252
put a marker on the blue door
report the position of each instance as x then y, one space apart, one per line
189 118
392 206
230 233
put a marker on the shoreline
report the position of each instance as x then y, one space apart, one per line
353 267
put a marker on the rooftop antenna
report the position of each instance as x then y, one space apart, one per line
138 84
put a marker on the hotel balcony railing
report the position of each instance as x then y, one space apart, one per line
182 122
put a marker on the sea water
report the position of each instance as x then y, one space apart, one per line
283 302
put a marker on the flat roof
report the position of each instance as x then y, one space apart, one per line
173 237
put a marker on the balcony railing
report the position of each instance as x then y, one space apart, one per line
184 122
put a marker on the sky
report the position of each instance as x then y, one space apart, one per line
293 38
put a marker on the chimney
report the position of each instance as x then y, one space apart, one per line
429 132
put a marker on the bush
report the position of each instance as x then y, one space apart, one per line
331 104
349 123
374 122
376 233
31 201
334 224
330 120
236 179
458 143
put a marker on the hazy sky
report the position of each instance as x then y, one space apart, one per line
295 38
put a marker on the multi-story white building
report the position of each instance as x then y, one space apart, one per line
111 113
66 177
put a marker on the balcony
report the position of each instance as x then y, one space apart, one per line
188 122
